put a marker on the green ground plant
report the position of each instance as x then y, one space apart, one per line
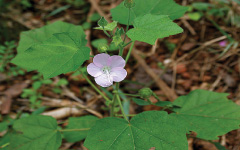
60 48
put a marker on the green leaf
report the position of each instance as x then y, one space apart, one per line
141 102
219 146
3 126
209 114
36 36
62 53
163 103
4 141
58 10
109 27
102 22
36 133
129 3
81 123
95 17
146 130
99 42
143 7
195 16
117 39
119 31
202 6
149 28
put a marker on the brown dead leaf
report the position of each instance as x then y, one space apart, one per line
10 93
16 89
188 46
2 77
181 68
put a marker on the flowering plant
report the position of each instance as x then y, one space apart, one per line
106 69
61 48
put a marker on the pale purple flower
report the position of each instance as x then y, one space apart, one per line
106 69
223 43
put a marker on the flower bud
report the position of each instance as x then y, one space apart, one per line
129 3
102 48
102 22
145 92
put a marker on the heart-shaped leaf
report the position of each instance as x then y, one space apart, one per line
143 7
81 123
150 27
32 37
152 129
62 53
35 133
210 114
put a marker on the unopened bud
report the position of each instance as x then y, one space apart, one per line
103 48
129 3
145 92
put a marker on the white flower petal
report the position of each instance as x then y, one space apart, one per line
104 80
116 61
94 70
118 74
101 60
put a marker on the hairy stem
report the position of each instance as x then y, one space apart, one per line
127 25
120 51
112 113
121 107
106 32
133 95
155 95
129 52
95 88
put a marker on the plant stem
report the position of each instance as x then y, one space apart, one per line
112 113
149 100
155 95
129 52
95 88
127 25
127 44
106 32
121 107
133 95
5 145
71 130
120 51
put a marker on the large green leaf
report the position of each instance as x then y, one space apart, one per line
81 123
62 53
209 114
143 7
152 129
36 133
149 28
29 38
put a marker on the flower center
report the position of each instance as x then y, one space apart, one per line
106 70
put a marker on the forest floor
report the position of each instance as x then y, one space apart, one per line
205 56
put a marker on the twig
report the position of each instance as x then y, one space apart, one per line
187 25
201 47
69 104
98 9
171 95
153 49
